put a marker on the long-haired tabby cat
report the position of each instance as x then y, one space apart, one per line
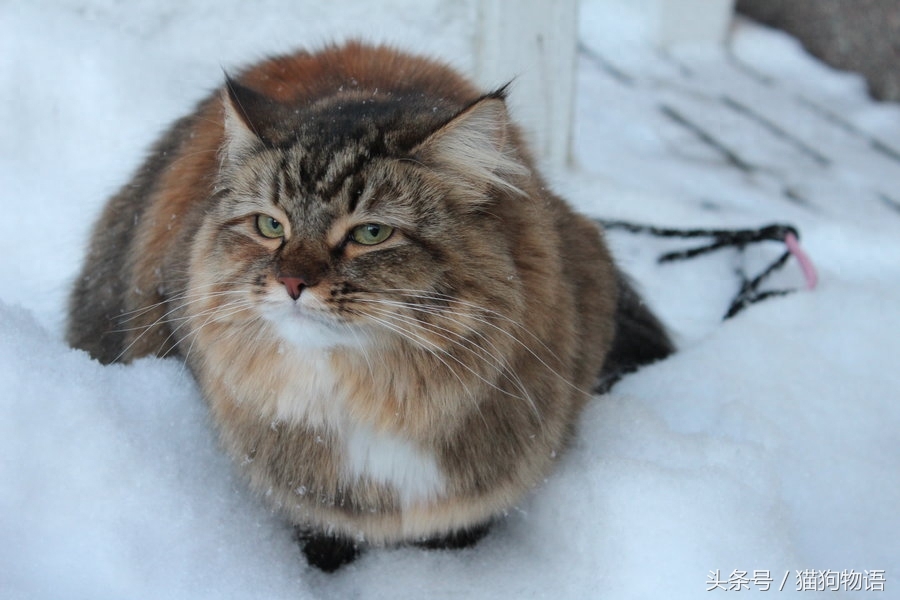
395 324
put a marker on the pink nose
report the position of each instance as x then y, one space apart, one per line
293 285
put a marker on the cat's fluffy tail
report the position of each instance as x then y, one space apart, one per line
640 338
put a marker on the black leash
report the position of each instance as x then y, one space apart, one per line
749 291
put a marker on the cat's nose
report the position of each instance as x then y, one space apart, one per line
293 285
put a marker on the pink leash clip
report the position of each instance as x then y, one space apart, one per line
806 265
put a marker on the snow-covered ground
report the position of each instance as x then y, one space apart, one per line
770 442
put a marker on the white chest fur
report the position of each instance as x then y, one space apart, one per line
391 460
313 396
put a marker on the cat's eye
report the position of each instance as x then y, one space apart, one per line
371 234
269 227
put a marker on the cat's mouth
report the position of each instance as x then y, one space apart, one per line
300 312
303 313
307 325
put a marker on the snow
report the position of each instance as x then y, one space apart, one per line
769 442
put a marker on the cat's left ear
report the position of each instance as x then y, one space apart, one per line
476 147
252 120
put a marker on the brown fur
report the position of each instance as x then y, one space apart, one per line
478 371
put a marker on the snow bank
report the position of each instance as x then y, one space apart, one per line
113 484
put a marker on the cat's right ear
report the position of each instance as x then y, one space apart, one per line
241 138
252 120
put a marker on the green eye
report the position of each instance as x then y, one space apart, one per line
269 226
371 234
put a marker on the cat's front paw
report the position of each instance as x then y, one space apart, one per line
327 552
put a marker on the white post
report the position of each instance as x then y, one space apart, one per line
533 43
693 20
667 22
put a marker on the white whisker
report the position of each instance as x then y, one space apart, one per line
133 314
449 299
432 349
166 317
525 395
215 316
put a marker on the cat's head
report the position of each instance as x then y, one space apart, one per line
360 217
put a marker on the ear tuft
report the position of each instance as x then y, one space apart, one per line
475 146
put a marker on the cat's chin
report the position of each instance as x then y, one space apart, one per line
305 330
